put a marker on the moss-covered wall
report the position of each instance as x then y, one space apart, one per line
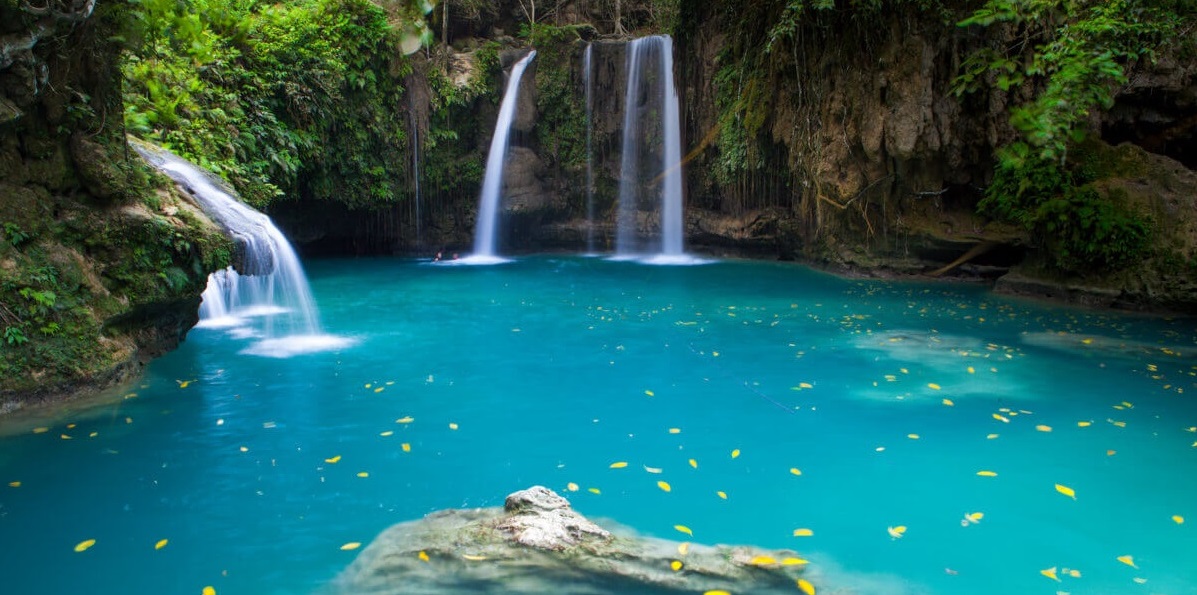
101 262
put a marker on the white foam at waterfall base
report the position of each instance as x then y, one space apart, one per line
285 347
474 260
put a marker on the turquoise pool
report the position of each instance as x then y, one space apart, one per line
846 408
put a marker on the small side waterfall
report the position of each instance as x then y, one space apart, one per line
650 74
586 61
485 230
415 171
273 288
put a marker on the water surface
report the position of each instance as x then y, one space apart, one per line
552 369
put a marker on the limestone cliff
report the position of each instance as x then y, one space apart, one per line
101 263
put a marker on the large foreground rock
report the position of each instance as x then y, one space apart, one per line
537 544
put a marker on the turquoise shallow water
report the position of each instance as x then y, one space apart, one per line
552 369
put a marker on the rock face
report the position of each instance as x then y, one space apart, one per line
101 266
537 544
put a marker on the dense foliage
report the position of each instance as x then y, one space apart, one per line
1073 55
278 98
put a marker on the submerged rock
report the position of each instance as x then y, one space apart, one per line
538 544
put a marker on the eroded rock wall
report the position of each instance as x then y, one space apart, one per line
101 263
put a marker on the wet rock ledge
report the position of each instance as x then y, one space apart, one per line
538 544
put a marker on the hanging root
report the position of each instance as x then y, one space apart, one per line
973 252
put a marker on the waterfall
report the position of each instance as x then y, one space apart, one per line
586 61
485 249
650 59
415 168
272 289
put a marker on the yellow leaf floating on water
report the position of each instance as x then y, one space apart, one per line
1110 453
987 474
683 548
794 562
405 420
795 471
974 517
209 590
675 430
1074 573
333 460
675 565
1128 560
763 561
65 436
386 433
693 463
244 449
363 474
184 383
803 533
933 386
650 393
805 586
1001 418
949 403
664 485
14 484
716 592
406 447
452 426
40 430
423 556
1067 491
684 529
1176 518
972 370
473 557
721 494
991 436
805 385
593 490
896 532
1050 573
571 486
913 436
618 465
735 453
656 470
1083 424
352 545
380 389
83 545
161 544
1043 428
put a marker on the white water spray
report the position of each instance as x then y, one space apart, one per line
586 61
649 56
273 288
485 230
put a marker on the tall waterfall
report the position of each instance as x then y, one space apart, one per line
273 288
586 61
650 60
485 240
